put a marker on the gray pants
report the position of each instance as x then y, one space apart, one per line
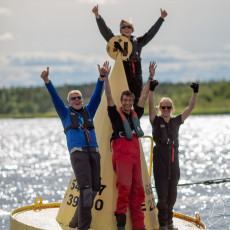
86 166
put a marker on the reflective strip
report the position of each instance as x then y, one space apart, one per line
81 149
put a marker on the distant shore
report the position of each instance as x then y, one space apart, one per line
22 102
53 115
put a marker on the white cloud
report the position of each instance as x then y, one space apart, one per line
6 37
99 2
5 11
24 68
227 46
176 52
188 45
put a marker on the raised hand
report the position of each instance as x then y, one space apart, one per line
163 14
95 10
195 87
44 75
104 70
152 68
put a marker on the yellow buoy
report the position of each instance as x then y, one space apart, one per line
50 216
105 201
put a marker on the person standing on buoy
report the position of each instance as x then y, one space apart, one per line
126 152
77 121
132 65
165 153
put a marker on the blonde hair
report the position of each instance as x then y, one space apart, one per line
163 99
123 21
73 92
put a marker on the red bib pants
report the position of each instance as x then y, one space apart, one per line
127 165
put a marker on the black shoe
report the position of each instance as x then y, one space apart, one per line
171 227
163 228
120 227
73 223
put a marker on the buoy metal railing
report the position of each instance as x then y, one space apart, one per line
151 153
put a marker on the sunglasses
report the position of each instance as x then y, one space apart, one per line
129 27
74 98
164 107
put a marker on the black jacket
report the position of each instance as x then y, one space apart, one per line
137 42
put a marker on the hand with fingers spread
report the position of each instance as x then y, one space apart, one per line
163 14
195 87
152 68
44 76
95 11
104 70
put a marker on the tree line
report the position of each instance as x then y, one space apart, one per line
214 98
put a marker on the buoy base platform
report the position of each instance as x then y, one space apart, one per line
43 216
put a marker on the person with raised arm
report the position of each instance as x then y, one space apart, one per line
77 121
126 152
165 153
132 65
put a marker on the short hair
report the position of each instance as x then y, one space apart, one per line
168 100
127 93
73 92
123 21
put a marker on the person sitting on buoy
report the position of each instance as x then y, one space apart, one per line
165 153
77 121
126 152
132 65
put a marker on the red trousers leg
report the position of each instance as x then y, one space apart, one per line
137 197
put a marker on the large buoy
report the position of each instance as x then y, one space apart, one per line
50 216
105 201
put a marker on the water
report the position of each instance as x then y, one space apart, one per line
35 162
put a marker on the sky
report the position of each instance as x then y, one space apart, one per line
193 44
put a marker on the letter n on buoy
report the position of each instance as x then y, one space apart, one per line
119 48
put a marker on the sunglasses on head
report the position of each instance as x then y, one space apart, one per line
164 107
129 27
74 98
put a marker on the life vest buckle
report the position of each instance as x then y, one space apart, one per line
169 142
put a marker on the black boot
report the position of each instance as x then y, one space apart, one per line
74 222
121 221
163 228
120 227
171 227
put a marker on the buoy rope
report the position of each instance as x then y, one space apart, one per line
37 205
195 220
208 182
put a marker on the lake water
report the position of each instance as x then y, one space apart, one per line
34 161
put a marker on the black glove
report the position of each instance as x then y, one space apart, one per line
195 87
153 84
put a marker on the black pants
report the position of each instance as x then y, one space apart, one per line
86 166
167 193
166 188
135 81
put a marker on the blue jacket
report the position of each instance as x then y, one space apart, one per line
76 137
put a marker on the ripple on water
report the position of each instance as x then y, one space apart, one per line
35 162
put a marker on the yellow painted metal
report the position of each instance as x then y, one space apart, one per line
42 216
105 201
195 220
151 155
30 217
123 42
37 205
